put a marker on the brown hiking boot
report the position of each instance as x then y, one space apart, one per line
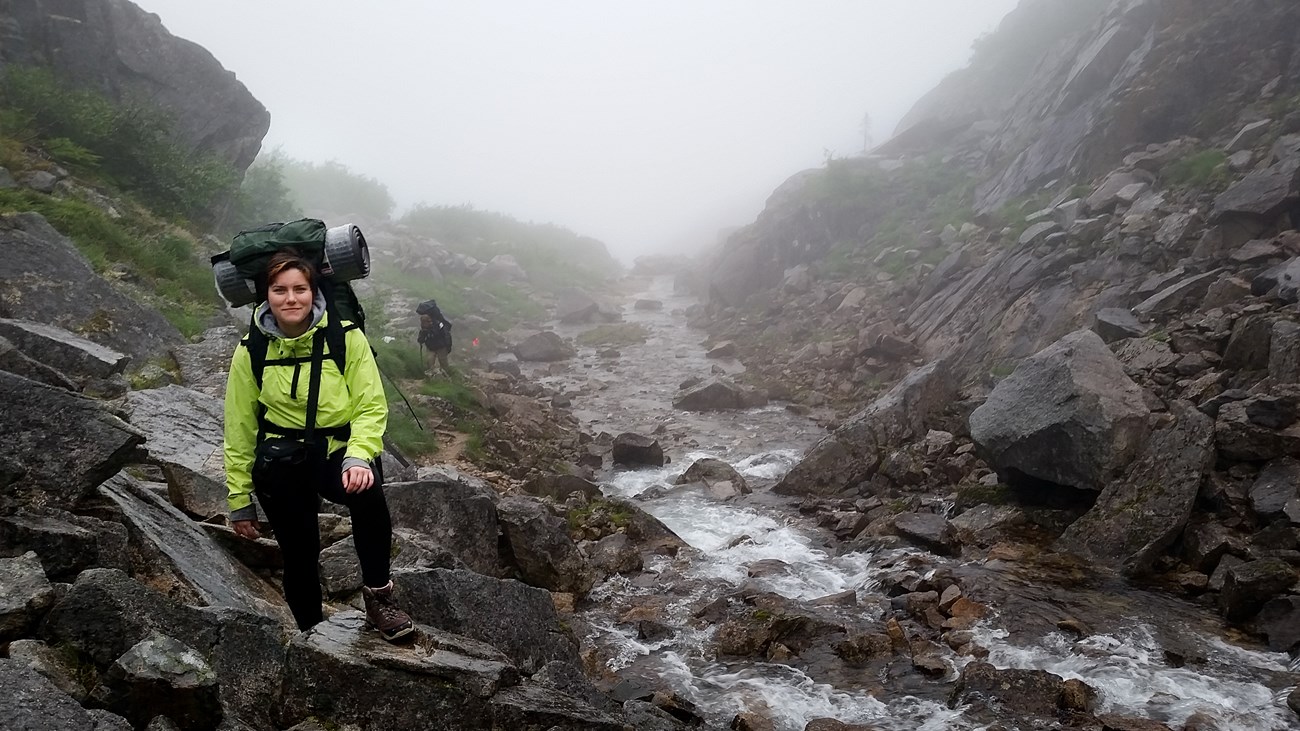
383 614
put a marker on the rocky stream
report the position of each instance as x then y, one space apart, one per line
1146 654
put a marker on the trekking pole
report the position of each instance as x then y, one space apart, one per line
408 403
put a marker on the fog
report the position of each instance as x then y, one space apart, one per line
649 124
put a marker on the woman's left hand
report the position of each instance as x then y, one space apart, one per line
357 479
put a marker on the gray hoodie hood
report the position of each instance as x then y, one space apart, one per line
266 320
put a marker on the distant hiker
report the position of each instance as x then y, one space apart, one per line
435 335
293 437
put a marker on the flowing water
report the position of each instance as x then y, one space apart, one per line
1126 659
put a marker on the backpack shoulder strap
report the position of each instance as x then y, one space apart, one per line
256 342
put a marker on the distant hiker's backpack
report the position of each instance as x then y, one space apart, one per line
435 330
339 254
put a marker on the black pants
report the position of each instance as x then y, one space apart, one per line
291 506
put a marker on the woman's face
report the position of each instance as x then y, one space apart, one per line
290 297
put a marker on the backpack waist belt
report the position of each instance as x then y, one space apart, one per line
341 432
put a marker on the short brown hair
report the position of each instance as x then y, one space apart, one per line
284 260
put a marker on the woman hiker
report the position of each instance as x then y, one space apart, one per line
292 454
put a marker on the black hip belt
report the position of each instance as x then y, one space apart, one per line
264 427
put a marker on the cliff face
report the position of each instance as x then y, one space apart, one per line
1055 98
114 46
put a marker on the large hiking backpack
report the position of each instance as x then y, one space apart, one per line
339 254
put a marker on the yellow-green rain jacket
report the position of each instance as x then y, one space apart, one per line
353 397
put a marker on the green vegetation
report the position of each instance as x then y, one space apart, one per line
159 256
618 515
1202 170
553 256
264 196
128 144
863 210
613 334
331 187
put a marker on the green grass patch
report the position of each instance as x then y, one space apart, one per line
1206 169
453 391
163 260
618 333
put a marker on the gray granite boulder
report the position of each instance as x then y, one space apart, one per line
1068 415
1136 518
161 676
517 619
852 453
25 596
456 511
183 436
542 551
62 444
544 346
30 702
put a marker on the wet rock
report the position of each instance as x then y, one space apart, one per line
1248 586
75 357
174 543
1239 438
454 510
519 620
1116 722
340 572
1068 415
615 554
162 676
183 435
53 664
636 449
994 694
1207 542
1248 348
506 363
1136 518
106 612
719 394
1275 486
724 349
203 364
852 453
66 543
648 305
1117 323
830 724
29 701
545 347
542 551
62 445
19 363
25 595
1261 195
984 525
560 487
644 715
1176 296
1284 352
576 307
1220 574
343 671
1279 621
927 529
719 478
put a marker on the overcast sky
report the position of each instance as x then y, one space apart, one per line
649 124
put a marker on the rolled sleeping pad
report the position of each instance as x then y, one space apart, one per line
347 256
233 288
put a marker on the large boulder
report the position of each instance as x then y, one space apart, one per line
46 279
60 444
1068 415
76 357
65 543
517 619
20 364
852 453
161 676
183 436
1136 518
637 450
1263 194
1248 586
120 49
25 595
719 394
29 702
455 511
990 693
720 479
175 547
543 552
544 346
204 364
504 269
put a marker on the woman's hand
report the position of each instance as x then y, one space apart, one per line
247 529
357 479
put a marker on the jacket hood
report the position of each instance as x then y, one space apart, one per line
265 319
